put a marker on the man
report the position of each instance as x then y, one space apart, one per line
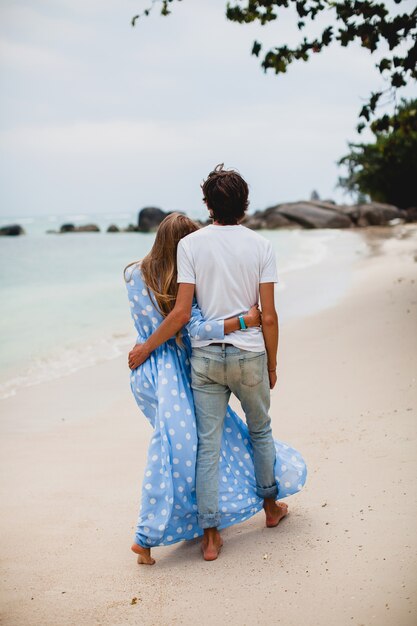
230 268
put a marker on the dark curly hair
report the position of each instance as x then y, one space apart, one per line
226 195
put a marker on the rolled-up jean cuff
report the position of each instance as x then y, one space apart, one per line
209 520
267 492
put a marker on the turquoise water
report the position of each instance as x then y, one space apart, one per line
64 304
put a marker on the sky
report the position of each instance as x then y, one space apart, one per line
100 117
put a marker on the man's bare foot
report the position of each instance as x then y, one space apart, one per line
211 544
144 554
274 512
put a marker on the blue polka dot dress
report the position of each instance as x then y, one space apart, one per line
161 387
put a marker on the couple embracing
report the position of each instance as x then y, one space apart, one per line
201 337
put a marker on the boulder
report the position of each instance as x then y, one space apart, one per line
113 229
11 230
130 229
329 205
372 213
268 219
67 228
309 215
411 214
87 228
149 218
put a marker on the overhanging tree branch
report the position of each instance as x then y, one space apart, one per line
365 22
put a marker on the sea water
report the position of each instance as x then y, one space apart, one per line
63 297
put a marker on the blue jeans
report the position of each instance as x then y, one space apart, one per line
216 372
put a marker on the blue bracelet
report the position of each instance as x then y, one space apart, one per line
242 323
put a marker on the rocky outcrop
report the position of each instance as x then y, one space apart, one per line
67 228
11 230
149 219
71 228
327 214
411 214
303 214
372 213
87 228
314 215
131 229
269 219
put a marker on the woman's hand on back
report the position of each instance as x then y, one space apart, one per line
138 355
253 317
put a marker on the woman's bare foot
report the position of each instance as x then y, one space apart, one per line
144 554
211 544
274 512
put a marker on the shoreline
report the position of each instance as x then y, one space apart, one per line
310 271
73 453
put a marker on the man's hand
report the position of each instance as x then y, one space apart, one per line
138 355
272 378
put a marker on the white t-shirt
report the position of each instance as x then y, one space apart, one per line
227 264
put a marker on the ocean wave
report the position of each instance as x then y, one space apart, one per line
310 251
69 361
295 250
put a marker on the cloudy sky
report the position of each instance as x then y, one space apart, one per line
97 116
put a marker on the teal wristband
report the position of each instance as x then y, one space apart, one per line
242 323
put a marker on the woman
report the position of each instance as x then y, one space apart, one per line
161 386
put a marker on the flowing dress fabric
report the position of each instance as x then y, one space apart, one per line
161 387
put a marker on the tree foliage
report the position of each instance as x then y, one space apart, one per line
366 22
386 169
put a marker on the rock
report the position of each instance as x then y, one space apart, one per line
130 229
310 215
149 218
11 230
377 214
366 214
329 205
253 222
67 228
268 219
411 214
87 228
113 229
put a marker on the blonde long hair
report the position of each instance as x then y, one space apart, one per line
159 267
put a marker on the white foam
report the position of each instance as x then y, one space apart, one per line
69 361
311 250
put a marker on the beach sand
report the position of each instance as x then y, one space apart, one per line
73 453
